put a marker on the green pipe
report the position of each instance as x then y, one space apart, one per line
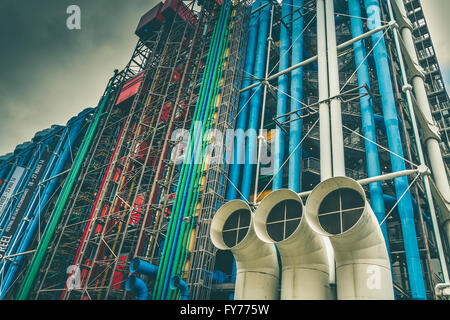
183 175
62 199
194 169
182 179
179 202
199 176
196 181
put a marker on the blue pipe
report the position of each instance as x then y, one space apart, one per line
389 202
197 132
282 99
61 156
405 208
177 283
25 155
140 266
41 140
241 121
367 116
139 287
13 202
21 156
7 180
295 130
220 277
255 103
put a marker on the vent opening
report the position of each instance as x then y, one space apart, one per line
340 210
284 219
236 227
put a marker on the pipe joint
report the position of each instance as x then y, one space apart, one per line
338 209
442 290
305 263
393 24
407 88
257 274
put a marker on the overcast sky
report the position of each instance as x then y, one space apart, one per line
49 73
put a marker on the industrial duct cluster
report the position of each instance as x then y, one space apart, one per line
336 209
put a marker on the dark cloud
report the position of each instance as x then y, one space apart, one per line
48 72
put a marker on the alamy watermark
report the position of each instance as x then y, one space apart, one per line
213 146
73 22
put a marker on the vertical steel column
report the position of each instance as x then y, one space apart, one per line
337 145
405 208
424 105
263 111
326 170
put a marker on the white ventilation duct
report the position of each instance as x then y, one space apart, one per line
305 264
338 208
257 274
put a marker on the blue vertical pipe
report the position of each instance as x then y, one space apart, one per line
405 207
367 116
295 129
48 191
282 98
241 121
255 103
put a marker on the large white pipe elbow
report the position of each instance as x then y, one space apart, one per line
338 208
257 274
305 264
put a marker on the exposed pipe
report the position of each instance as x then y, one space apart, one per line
432 141
326 162
44 196
305 264
340 47
141 266
198 149
177 283
257 273
367 115
430 130
263 107
337 137
202 108
338 208
282 98
326 170
64 196
405 208
255 103
442 290
139 287
241 122
295 128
